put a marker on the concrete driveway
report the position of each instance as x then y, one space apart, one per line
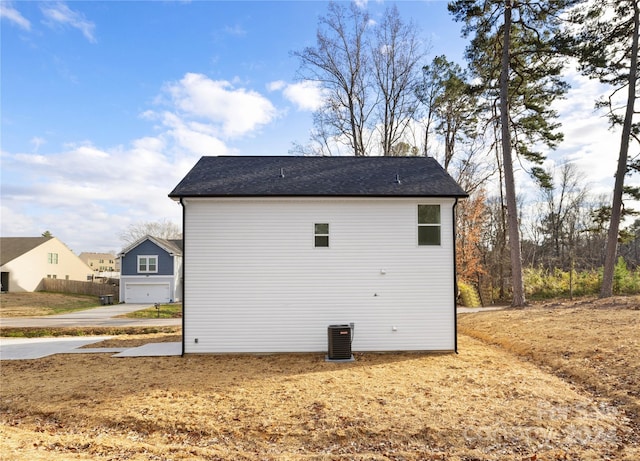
34 348
97 317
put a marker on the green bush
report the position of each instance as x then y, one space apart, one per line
625 281
544 284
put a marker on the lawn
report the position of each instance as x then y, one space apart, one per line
17 304
164 311
521 388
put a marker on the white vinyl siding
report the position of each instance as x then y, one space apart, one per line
248 290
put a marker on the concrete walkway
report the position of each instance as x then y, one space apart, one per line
36 348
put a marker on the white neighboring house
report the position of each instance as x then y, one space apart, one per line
26 261
278 248
103 265
151 271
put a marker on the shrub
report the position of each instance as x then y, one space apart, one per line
544 284
624 280
468 295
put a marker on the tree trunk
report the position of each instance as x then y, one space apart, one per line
510 188
616 209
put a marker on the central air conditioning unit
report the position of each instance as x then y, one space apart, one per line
340 337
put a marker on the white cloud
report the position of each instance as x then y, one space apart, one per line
588 141
19 223
306 95
234 111
195 137
60 13
86 194
277 85
7 11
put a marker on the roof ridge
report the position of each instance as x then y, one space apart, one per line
306 176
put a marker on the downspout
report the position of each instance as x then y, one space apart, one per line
184 259
455 278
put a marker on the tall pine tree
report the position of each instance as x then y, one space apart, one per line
513 53
606 45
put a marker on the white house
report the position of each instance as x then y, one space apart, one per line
25 261
276 249
103 265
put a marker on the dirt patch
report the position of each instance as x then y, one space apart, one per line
483 404
17 304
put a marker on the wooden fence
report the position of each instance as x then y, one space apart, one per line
82 288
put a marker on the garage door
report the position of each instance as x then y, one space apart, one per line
147 293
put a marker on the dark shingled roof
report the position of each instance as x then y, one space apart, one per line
171 245
13 247
296 176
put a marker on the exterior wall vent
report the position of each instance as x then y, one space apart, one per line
340 337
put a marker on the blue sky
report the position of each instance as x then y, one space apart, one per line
105 105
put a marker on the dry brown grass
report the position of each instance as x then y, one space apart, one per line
572 395
483 404
27 304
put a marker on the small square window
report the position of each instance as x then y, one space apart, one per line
321 235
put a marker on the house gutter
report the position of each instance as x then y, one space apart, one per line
184 259
455 279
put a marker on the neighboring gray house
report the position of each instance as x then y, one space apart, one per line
151 271
279 248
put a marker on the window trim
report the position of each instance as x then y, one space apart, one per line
148 258
437 225
52 258
317 235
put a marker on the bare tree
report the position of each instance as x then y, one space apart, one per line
559 221
396 52
340 63
164 229
368 73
